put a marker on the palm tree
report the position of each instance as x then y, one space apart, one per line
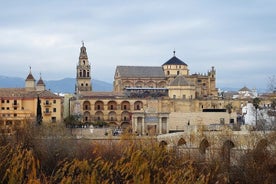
229 108
256 103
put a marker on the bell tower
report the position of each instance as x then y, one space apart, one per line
83 76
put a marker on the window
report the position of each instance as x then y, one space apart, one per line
14 115
3 108
8 108
47 110
15 102
86 84
47 102
8 101
15 108
54 101
3 101
98 107
81 84
54 119
111 107
177 72
54 110
125 107
174 96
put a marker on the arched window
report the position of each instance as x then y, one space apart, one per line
168 72
83 62
84 73
88 73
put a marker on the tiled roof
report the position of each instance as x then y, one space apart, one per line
30 77
180 80
12 92
175 61
40 82
22 93
41 94
140 71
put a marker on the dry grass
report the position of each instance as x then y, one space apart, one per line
58 160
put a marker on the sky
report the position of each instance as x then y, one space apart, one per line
237 37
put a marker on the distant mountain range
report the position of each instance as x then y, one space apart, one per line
66 85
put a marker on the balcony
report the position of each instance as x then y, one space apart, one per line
15 104
47 113
47 104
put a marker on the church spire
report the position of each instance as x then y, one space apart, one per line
83 54
40 85
83 74
30 81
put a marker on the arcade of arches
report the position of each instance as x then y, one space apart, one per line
125 114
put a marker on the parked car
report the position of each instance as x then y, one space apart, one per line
117 132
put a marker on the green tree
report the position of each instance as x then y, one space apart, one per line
229 108
71 121
38 112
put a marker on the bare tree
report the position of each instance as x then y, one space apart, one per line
272 83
